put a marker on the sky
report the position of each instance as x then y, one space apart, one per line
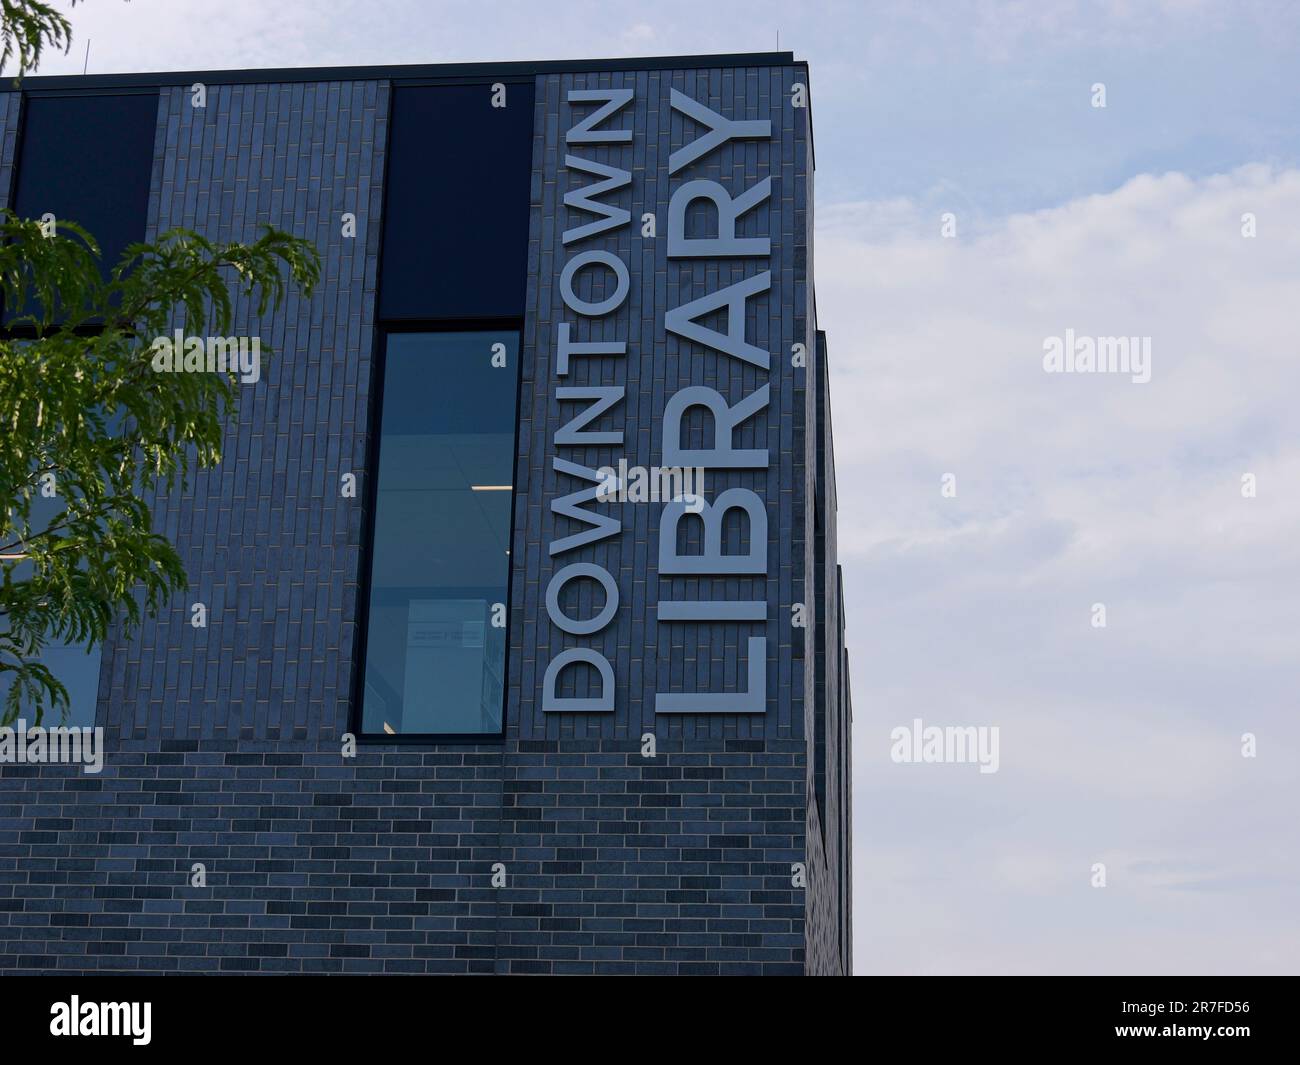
1119 745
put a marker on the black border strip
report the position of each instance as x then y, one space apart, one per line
402 74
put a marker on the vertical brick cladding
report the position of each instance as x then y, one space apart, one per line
680 863
270 546
829 851
10 107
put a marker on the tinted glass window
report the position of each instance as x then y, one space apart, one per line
71 664
456 203
440 547
89 159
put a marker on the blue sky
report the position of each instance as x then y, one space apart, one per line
1122 745
984 101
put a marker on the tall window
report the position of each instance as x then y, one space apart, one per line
88 159
434 633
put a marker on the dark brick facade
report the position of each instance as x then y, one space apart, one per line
224 743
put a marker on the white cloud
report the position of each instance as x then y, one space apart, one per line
1072 489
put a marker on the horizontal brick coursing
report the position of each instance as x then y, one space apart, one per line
316 863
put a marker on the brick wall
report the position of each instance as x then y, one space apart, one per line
224 742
